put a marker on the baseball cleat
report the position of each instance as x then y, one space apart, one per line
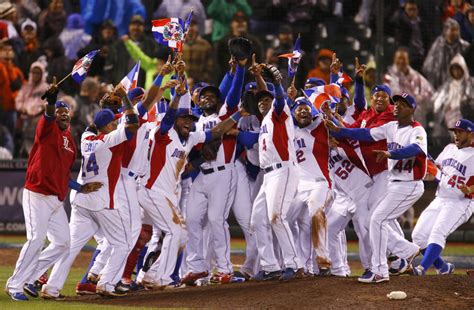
366 272
123 287
288 274
418 271
403 267
324 272
86 288
30 289
266 276
191 277
301 274
114 293
47 296
242 274
221 278
92 278
448 268
18 296
412 258
371 277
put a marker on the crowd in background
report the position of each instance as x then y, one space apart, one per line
39 39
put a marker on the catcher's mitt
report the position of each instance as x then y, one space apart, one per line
273 72
240 48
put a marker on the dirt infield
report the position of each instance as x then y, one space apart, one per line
447 292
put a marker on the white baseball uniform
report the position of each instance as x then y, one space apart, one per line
212 195
160 197
405 187
451 208
101 162
273 202
314 189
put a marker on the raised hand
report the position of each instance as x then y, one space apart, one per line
232 64
292 91
336 64
256 68
359 69
181 87
120 90
179 65
330 125
170 84
381 155
167 68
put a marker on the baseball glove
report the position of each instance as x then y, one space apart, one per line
240 48
250 104
273 72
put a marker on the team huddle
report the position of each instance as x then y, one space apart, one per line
161 177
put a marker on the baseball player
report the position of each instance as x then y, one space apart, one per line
453 205
101 161
277 158
314 186
407 152
213 190
46 186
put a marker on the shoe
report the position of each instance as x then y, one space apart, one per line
324 272
104 293
371 277
173 285
403 267
242 274
18 296
30 289
47 296
41 281
288 274
123 287
301 274
221 278
135 287
412 258
366 272
448 268
92 278
418 271
266 276
86 288
191 277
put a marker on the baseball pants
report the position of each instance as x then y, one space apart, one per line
44 217
166 216
399 197
442 217
270 210
210 200
242 209
84 225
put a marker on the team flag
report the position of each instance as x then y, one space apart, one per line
293 58
81 67
170 32
187 23
319 94
343 78
131 79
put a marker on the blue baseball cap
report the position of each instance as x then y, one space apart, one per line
212 88
104 117
183 112
250 86
381 87
410 100
303 101
199 85
61 104
315 82
464 125
136 92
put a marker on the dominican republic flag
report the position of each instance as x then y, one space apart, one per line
131 79
343 78
293 58
187 23
319 94
81 67
169 32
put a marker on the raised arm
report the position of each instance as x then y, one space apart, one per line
359 95
335 68
226 82
170 116
233 97
256 70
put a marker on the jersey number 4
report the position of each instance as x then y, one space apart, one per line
90 166
456 180
401 167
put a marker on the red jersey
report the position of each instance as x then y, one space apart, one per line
51 159
371 119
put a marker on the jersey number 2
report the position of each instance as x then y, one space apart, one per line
90 166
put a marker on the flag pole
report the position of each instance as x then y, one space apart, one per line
64 78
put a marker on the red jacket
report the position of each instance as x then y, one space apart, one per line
10 77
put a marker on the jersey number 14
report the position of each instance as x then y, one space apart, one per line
91 165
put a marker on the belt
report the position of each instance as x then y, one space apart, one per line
271 168
212 170
134 175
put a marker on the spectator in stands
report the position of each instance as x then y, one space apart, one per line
181 9
224 12
238 28
430 12
119 62
86 105
73 37
11 80
58 64
445 47
6 144
321 69
30 107
453 100
9 17
466 23
103 40
401 77
27 9
198 55
31 48
453 7
409 33
52 21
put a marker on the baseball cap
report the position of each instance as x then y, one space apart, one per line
250 86
464 125
75 21
199 85
406 98
136 92
240 16
211 88
383 88
183 112
30 23
263 93
137 19
104 117
303 101
61 104
315 82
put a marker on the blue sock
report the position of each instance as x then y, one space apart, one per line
439 263
84 279
175 274
431 255
141 259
